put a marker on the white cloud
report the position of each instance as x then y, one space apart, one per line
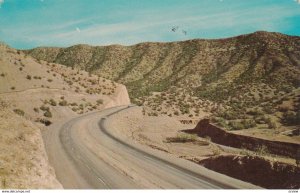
1 2
149 28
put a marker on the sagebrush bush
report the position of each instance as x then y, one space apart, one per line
48 114
183 138
99 101
44 108
236 125
271 124
52 102
63 103
46 122
248 123
35 109
19 112
291 118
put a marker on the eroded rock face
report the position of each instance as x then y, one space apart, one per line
261 172
220 136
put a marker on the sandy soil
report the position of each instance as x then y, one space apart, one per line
154 131
23 160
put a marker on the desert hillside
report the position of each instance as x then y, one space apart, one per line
271 58
34 95
24 162
248 81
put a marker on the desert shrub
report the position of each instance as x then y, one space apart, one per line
283 108
236 125
52 102
260 119
271 124
184 109
286 88
81 106
216 151
229 115
268 109
219 121
262 150
49 80
35 109
255 112
44 108
12 88
138 102
46 122
248 123
73 104
37 77
182 138
48 114
28 77
154 114
99 101
19 112
291 118
2 74
63 103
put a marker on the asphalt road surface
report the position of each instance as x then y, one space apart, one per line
87 154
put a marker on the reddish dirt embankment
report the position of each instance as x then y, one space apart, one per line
218 135
258 171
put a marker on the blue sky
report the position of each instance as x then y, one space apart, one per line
32 23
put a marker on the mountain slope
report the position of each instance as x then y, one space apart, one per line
248 81
273 58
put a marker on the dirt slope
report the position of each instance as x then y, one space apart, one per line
37 94
23 160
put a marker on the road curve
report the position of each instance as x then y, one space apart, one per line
87 154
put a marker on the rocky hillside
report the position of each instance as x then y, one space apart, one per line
248 81
272 58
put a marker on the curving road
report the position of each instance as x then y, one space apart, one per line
87 154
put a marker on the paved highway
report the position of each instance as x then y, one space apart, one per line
87 154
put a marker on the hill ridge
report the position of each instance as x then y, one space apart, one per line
156 66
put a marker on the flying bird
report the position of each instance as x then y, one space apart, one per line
175 28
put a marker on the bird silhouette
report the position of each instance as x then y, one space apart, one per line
175 28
